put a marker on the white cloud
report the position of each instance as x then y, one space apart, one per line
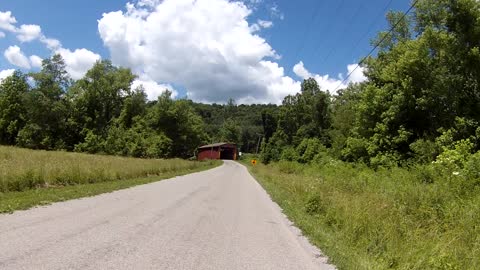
51 43
208 48
265 24
2 34
328 83
260 24
153 89
36 61
28 32
7 21
16 57
5 73
78 62
300 70
357 73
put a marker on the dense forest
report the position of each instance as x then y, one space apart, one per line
101 113
420 104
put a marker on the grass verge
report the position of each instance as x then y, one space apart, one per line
385 219
29 178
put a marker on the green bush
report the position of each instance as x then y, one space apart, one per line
158 146
355 150
425 151
308 149
452 160
93 143
289 154
471 169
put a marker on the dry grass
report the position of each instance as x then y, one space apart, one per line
22 169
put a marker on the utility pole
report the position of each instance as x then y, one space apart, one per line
260 136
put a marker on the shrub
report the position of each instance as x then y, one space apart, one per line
471 168
308 149
93 144
158 146
455 159
425 151
355 150
289 154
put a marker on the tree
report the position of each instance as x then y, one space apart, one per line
47 108
13 91
179 122
100 95
230 131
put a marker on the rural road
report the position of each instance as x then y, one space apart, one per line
217 219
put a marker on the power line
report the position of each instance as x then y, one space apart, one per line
378 44
350 22
306 33
370 27
329 24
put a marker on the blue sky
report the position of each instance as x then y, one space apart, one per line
283 42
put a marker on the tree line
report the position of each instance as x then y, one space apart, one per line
101 113
419 104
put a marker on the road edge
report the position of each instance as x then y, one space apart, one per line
317 256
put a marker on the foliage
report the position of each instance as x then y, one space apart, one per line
398 218
13 91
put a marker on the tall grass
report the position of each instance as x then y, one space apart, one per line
387 219
22 169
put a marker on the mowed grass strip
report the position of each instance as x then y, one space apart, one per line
29 177
385 219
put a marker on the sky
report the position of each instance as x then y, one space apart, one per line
254 51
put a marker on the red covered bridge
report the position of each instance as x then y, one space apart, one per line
218 151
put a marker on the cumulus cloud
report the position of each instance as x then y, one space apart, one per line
209 48
153 89
16 57
2 34
5 73
36 61
25 33
357 73
330 83
7 21
28 32
51 43
78 62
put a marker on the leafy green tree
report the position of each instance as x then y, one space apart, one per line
100 95
178 121
230 131
13 91
47 108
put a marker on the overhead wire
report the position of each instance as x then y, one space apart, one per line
377 44
329 24
350 22
370 26
306 32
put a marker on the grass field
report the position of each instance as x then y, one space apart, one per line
29 177
385 219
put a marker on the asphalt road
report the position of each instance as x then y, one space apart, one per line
217 219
